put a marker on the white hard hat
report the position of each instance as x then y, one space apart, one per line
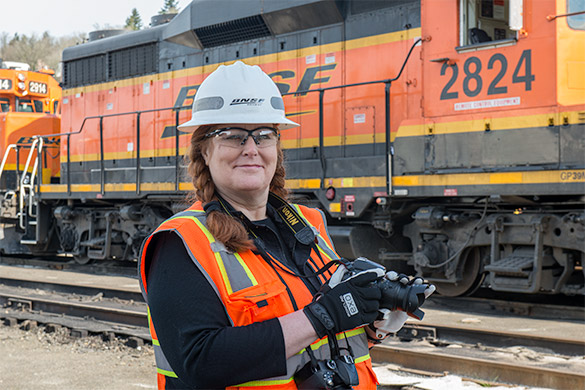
237 93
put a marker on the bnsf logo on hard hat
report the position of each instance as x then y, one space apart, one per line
247 101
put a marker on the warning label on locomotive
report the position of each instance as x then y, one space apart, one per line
573 176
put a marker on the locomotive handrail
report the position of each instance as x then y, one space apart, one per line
388 84
102 166
6 153
38 144
16 147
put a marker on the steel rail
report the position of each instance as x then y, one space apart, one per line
479 368
93 310
493 338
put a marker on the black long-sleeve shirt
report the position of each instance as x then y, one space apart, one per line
192 326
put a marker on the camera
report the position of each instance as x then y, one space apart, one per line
395 295
336 373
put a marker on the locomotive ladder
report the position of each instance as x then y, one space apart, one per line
28 204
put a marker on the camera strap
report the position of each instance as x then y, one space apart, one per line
302 232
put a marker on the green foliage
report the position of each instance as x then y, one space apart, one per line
133 22
170 7
38 52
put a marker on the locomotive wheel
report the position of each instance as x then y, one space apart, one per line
82 257
471 278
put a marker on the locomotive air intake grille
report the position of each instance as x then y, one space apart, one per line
238 30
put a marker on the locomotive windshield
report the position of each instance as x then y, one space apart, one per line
577 7
24 105
4 104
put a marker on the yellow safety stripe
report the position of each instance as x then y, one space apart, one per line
246 269
361 359
350 333
148 316
266 383
166 373
469 179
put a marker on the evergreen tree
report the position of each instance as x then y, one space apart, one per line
133 22
170 7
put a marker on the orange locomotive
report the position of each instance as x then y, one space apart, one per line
441 136
29 103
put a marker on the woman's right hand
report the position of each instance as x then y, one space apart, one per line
352 303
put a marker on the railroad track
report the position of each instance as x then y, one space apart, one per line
89 309
478 368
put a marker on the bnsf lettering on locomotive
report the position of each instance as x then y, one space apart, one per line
247 101
185 97
310 77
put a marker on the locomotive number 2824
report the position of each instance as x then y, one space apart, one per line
472 78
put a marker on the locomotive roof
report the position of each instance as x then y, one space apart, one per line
113 43
201 17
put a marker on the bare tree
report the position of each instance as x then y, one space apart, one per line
38 52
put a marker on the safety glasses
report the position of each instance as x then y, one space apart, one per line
236 137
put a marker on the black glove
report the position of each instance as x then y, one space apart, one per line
350 304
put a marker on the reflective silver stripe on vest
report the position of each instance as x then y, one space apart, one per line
162 364
356 339
236 273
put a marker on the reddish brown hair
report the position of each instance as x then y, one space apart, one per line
222 226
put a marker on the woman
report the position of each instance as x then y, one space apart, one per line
230 282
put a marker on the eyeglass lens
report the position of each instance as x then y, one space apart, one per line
236 137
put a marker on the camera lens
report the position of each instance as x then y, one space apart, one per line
396 296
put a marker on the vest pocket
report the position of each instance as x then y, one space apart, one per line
259 303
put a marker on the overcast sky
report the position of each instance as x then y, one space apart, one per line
66 17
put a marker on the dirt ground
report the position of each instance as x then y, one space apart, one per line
37 360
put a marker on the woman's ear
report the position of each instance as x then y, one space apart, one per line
205 153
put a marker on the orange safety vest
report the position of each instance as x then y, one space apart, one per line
251 290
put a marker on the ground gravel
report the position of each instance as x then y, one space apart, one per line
35 359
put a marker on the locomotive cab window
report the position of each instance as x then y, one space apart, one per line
576 11
4 105
38 105
24 105
489 22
